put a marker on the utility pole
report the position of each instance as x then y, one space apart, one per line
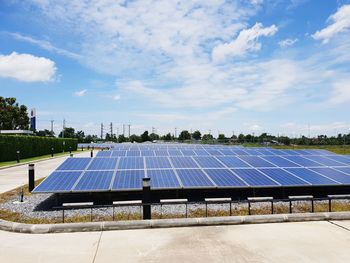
123 129
52 126
175 133
64 126
129 125
101 130
111 129
117 134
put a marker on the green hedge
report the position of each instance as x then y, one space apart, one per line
31 146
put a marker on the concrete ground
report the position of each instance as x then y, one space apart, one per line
13 177
286 242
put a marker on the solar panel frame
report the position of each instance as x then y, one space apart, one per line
128 180
74 164
163 179
64 179
94 181
103 164
194 178
224 178
254 178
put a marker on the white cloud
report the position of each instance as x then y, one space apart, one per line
26 67
80 93
45 45
341 91
287 42
247 40
116 97
340 23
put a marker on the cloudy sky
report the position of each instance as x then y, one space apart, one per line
276 66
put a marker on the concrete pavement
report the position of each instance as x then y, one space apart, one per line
13 177
280 242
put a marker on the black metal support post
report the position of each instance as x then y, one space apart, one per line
272 207
70 149
146 198
92 153
248 208
330 204
18 156
52 152
31 183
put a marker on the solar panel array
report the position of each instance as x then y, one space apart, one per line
197 166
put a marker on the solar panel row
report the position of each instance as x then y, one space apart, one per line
77 181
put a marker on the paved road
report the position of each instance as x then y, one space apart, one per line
11 178
286 242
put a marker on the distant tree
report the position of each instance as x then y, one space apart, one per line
80 135
12 115
168 137
197 135
154 137
90 138
241 138
222 138
145 137
122 138
184 135
135 138
69 132
44 133
207 137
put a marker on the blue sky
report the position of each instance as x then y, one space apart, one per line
222 66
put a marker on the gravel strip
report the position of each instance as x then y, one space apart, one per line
39 206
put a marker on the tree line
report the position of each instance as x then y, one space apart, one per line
14 116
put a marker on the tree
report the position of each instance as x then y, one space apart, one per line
12 115
145 137
45 133
222 138
135 138
184 135
80 135
207 137
122 138
167 137
69 132
196 135
154 137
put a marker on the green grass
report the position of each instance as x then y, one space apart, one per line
37 158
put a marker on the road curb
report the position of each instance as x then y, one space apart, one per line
168 223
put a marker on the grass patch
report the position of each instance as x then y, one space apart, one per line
37 158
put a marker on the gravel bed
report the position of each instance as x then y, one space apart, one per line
40 206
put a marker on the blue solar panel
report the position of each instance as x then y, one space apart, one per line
175 153
325 161
188 153
128 180
161 153
118 153
227 152
280 161
282 177
74 164
344 169
104 154
310 176
302 161
256 161
103 164
147 153
131 163
254 178
339 158
133 153
193 178
94 180
333 174
201 152
157 162
58 182
183 162
215 152
224 178
207 162
163 179
232 161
